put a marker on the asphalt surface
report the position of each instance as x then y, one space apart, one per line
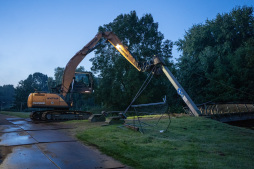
27 145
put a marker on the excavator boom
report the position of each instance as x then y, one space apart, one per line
79 56
71 66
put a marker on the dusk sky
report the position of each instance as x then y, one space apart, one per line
38 36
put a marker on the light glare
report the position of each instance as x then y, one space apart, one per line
118 46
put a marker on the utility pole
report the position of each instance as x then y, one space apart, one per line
186 98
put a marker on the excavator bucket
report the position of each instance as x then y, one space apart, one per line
82 82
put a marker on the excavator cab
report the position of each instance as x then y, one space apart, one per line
82 83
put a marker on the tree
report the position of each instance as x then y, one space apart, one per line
119 80
217 58
34 82
59 75
6 96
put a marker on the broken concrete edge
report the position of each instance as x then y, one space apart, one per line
97 118
115 120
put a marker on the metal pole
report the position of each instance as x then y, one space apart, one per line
186 98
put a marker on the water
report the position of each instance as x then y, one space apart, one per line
244 123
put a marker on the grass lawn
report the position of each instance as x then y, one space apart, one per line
16 114
190 142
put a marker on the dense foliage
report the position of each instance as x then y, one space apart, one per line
120 81
6 96
34 82
217 62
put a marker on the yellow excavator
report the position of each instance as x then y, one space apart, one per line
57 104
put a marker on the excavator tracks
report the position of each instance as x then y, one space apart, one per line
59 115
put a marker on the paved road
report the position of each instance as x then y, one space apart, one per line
25 144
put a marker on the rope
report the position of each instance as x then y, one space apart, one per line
142 88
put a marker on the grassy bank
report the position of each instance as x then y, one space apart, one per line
16 114
190 143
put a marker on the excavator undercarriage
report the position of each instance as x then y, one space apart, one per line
59 115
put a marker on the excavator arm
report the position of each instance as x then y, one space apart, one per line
71 66
115 41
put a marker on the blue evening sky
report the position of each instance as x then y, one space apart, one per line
38 36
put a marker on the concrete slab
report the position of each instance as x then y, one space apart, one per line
14 119
18 121
75 155
69 155
26 156
97 118
9 128
46 136
25 125
16 138
44 145
28 119
32 126
28 124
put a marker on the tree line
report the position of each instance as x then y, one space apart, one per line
217 61
216 64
